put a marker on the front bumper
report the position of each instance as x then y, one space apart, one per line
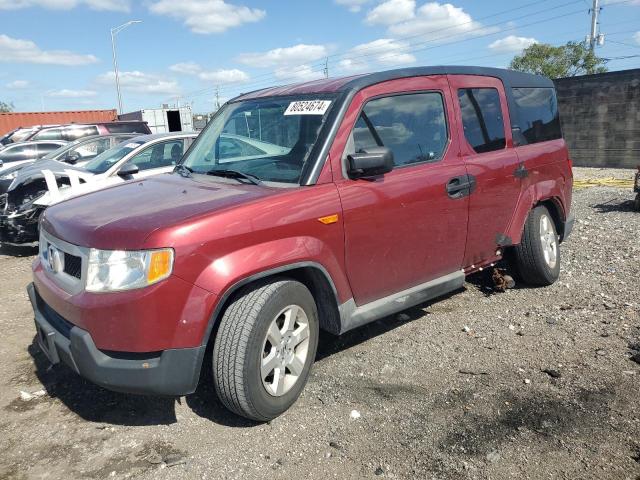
19 229
173 372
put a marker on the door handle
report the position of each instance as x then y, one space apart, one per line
461 186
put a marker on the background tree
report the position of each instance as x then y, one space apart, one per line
556 62
6 107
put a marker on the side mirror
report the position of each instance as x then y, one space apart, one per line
128 170
72 158
370 162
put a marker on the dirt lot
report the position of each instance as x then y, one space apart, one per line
531 383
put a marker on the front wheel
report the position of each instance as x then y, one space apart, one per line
264 348
537 257
636 203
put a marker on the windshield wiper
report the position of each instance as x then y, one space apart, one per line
235 174
183 170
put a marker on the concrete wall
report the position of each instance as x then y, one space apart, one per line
600 117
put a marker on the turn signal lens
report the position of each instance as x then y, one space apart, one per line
159 265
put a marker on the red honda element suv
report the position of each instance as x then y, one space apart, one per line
321 205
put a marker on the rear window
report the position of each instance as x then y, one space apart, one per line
482 119
537 113
126 127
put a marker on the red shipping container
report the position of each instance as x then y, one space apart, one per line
13 120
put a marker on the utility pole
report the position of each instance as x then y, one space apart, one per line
326 68
114 32
593 37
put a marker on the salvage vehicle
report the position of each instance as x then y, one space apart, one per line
50 182
20 134
23 153
390 189
75 153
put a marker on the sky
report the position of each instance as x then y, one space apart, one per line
57 54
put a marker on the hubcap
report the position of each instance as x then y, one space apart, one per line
549 241
285 350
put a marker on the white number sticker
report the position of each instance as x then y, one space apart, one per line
308 107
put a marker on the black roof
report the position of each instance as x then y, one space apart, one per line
510 78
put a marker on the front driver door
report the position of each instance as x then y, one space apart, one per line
402 229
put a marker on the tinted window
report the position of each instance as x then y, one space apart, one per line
49 134
412 126
537 113
482 119
74 133
160 155
18 153
44 148
126 128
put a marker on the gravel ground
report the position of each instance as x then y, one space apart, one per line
530 383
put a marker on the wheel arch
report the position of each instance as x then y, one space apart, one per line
311 274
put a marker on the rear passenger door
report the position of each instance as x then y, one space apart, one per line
487 150
402 229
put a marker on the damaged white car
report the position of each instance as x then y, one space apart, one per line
49 182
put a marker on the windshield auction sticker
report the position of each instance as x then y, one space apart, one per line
308 107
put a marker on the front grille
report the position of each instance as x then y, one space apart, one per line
72 265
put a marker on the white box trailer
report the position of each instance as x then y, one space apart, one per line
164 120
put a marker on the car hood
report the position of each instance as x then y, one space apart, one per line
122 217
35 169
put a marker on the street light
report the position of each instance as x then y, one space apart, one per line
114 32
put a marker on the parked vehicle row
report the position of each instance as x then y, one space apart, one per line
322 205
50 180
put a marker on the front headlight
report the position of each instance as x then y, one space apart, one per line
114 270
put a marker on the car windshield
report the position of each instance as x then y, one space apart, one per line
109 158
270 139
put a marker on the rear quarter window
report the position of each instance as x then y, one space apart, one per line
126 128
482 119
537 114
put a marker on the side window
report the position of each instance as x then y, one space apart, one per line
413 126
482 119
134 127
18 153
160 155
48 134
74 133
45 148
537 113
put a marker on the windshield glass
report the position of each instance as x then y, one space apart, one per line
108 159
269 138
59 151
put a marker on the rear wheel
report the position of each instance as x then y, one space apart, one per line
264 348
537 257
636 203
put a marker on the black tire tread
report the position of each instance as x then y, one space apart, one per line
231 346
530 264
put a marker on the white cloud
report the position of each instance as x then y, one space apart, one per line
353 5
102 5
391 12
224 76
512 44
384 51
301 73
17 84
186 68
430 21
140 82
66 93
287 56
13 50
207 16
636 37
219 76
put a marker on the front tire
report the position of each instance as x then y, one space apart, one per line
537 257
264 348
